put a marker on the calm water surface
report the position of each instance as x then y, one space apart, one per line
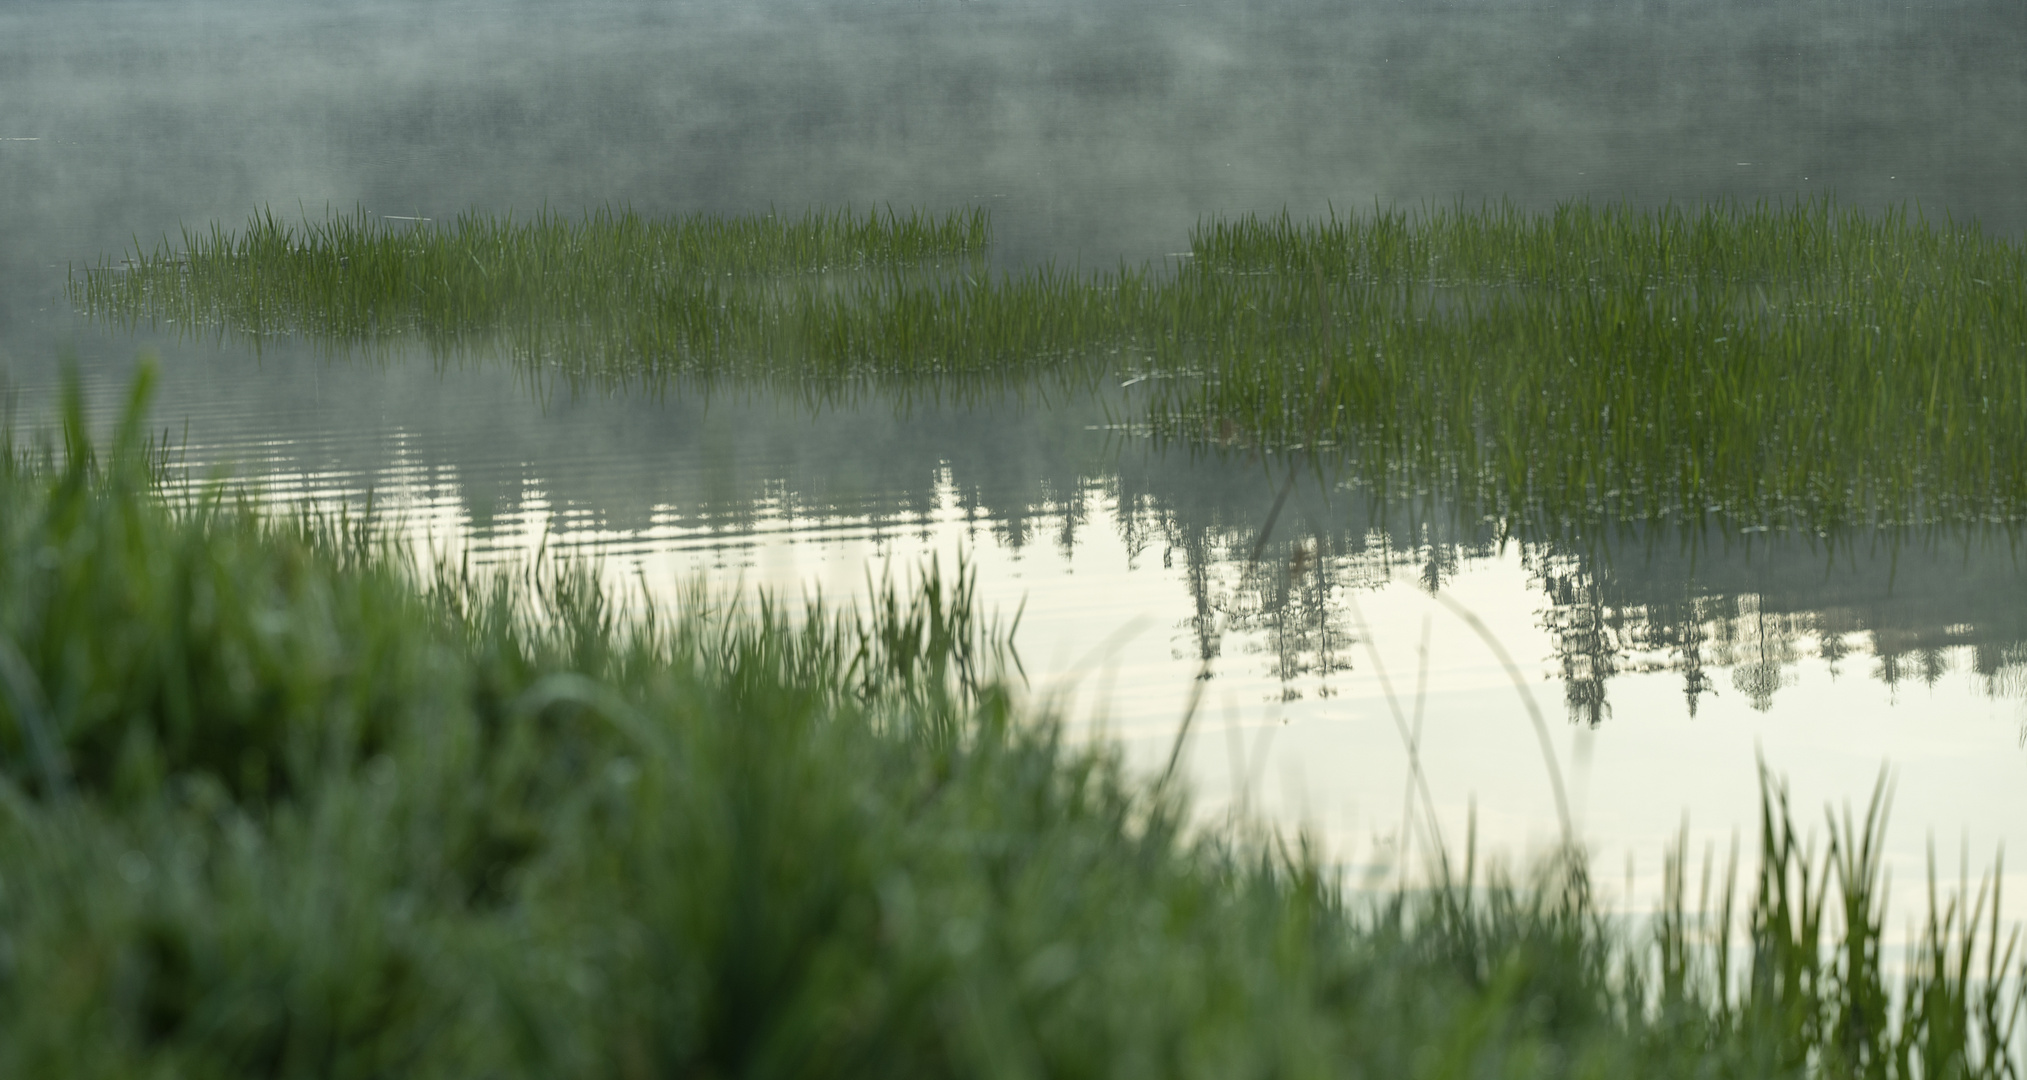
1665 664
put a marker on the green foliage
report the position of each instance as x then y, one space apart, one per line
150 637
1773 365
1793 364
276 802
616 296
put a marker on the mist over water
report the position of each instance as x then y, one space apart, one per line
1093 131
1096 133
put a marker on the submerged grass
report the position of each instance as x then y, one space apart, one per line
1793 364
276 801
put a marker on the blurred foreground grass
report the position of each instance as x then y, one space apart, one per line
275 801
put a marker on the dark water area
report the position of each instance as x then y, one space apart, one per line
1668 661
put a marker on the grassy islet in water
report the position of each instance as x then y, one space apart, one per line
276 800
1777 364
619 297
1793 364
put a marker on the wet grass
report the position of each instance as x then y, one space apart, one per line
276 800
1794 365
624 299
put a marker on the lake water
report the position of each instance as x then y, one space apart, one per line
1664 666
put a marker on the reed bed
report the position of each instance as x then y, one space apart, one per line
817 307
613 294
1790 364
275 800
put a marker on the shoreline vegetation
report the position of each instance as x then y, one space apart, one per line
276 800
1795 365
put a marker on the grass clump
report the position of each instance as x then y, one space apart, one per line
614 294
1775 365
276 801
1793 364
